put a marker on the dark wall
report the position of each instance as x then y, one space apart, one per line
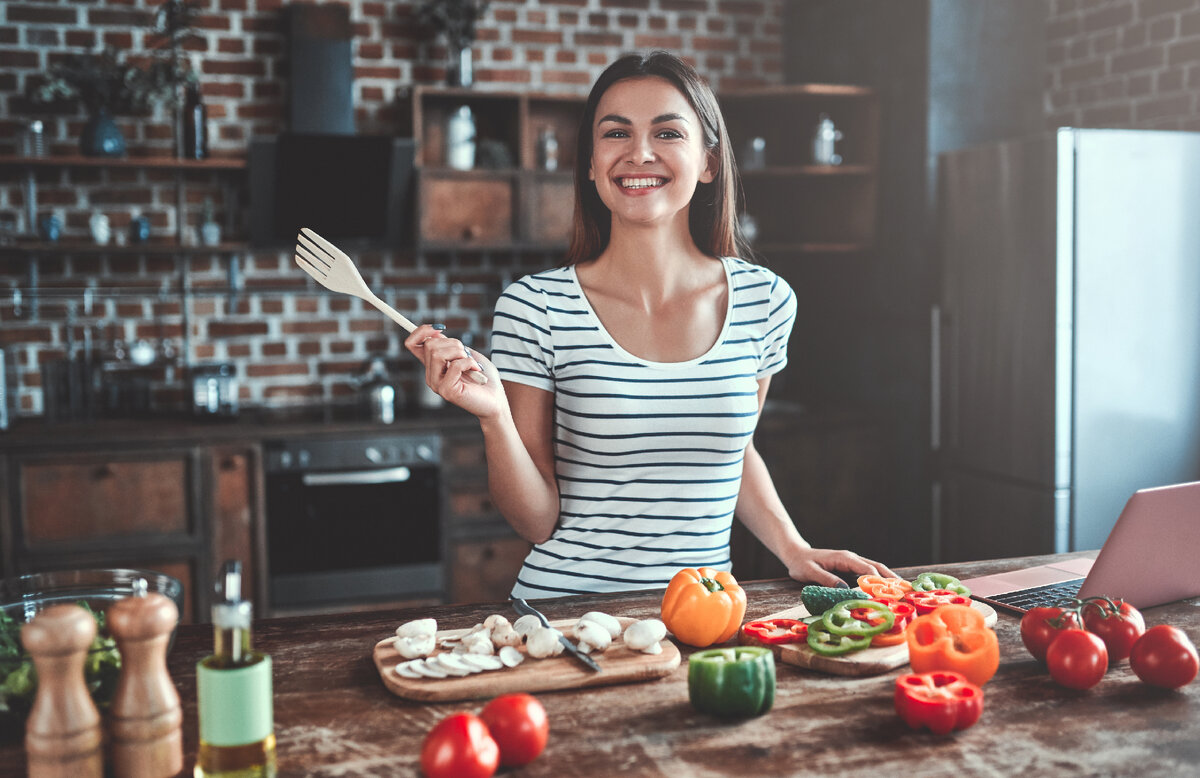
949 73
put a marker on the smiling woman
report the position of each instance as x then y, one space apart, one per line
619 439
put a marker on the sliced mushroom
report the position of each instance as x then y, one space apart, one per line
454 665
610 623
405 669
415 646
593 637
418 627
484 661
511 657
525 625
543 642
428 667
645 636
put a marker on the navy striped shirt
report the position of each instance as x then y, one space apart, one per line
648 455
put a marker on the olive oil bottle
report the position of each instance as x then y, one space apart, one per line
237 721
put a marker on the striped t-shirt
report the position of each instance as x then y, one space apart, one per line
648 455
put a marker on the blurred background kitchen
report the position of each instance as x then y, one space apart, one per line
176 392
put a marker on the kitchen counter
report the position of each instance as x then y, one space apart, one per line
333 715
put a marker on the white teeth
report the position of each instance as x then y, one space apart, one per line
641 183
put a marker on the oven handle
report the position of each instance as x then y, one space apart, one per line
390 475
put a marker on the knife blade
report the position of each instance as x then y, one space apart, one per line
525 609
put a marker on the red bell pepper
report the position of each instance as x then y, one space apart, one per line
928 602
775 632
942 701
904 613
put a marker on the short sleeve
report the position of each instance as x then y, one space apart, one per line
778 328
522 349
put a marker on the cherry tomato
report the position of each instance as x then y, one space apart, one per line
1165 656
1037 631
1119 630
459 746
1077 659
519 725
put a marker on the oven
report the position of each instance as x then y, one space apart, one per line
353 521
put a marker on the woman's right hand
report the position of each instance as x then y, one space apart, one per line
447 364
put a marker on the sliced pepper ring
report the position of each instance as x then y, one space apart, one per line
775 632
929 601
827 643
928 582
888 588
840 619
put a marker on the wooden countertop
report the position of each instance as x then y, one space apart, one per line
333 715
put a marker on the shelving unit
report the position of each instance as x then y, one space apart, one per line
508 201
801 208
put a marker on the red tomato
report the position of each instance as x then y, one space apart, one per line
1077 659
518 723
459 746
1165 656
1037 631
1118 630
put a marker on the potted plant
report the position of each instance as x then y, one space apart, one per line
105 85
169 71
455 19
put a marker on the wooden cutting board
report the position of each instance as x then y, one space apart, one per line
618 664
869 661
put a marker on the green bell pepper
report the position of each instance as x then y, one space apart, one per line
928 582
826 643
841 620
734 682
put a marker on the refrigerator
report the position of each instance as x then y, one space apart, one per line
1066 337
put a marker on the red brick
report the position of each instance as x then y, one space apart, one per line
233 329
276 369
18 59
1189 24
1108 17
236 67
1183 53
597 39
41 14
1157 108
1148 9
309 327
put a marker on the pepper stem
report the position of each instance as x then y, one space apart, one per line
712 585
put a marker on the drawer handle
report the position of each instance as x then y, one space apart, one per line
102 472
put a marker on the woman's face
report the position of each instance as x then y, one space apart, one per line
647 151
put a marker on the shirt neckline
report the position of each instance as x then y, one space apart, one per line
650 363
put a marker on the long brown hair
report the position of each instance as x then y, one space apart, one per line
712 217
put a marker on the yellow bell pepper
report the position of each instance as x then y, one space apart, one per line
703 606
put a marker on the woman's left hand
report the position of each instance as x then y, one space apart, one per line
815 565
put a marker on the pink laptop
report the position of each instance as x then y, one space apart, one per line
1152 556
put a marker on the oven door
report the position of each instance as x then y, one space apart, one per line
354 535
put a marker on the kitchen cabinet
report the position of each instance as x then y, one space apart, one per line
179 510
513 198
798 207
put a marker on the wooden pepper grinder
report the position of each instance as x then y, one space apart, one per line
146 719
62 735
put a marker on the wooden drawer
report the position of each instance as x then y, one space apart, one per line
81 499
485 570
466 210
550 210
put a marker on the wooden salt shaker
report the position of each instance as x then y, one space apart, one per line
146 719
62 735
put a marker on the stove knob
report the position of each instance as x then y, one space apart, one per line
374 455
425 453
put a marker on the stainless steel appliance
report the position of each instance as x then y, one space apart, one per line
353 520
1070 336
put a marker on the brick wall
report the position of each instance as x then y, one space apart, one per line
1124 63
293 343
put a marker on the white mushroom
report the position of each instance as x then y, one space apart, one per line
419 627
511 657
543 642
505 635
645 635
525 625
415 646
593 637
477 643
610 623
494 621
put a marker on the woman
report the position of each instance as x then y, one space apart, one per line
621 439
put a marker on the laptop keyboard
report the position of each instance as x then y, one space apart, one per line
1040 596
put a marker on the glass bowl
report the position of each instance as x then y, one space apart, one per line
22 597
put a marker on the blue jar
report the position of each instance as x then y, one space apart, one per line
139 229
49 228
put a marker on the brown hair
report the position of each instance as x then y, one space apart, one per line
713 214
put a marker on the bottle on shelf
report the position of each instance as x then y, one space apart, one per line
237 722
195 124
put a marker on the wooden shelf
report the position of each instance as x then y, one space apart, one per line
157 163
59 248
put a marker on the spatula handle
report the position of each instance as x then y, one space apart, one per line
391 313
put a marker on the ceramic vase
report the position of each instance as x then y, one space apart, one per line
101 136
101 229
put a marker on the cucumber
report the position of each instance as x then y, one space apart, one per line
818 599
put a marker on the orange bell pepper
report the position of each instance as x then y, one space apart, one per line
884 588
954 637
703 606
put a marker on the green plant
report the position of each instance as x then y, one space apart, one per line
453 18
100 80
168 68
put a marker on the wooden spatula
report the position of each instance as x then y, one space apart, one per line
334 270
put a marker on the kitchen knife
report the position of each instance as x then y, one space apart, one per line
525 609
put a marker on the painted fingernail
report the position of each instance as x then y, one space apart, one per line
439 327
842 585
